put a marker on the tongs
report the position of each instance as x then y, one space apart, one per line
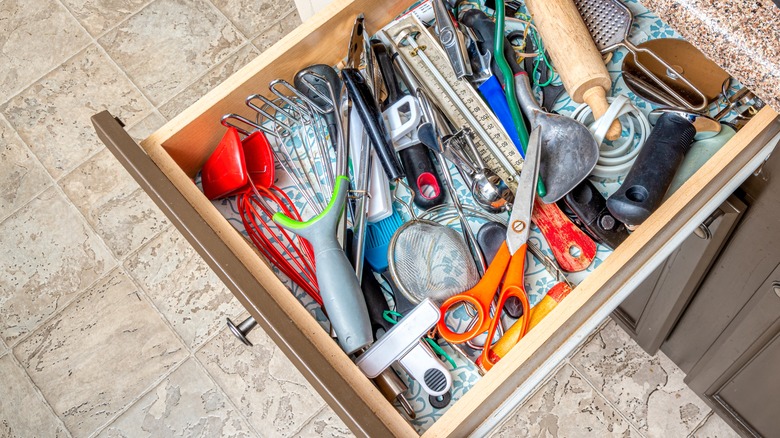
451 39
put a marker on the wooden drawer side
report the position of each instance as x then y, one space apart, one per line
342 386
192 135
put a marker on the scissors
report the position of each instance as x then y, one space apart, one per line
507 270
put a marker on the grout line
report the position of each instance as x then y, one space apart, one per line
184 87
112 27
606 399
80 163
126 76
165 375
224 392
222 14
67 303
309 420
277 21
100 47
701 424
119 261
530 395
39 394
46 73
168 323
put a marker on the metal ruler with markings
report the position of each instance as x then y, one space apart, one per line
457 99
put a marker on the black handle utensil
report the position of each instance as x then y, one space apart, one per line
415 159
485 29
648 180
309 81
591 214
364 103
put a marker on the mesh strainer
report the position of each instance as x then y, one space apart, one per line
609 22
430 260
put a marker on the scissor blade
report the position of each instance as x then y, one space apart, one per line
520 219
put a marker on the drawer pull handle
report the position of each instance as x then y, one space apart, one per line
776 288
242 329
703 230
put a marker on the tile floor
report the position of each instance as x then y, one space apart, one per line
111 325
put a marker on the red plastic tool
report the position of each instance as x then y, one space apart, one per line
246 169
573 249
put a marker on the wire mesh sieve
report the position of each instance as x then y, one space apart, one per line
430 260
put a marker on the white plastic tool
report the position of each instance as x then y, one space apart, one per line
403 344
380 203
402 119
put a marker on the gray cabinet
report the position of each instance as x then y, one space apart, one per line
746 262
738 376
650 313
714 308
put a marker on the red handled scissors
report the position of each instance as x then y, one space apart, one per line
507 271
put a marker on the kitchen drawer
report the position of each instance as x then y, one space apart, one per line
166 161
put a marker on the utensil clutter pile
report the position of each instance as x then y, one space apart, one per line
429 208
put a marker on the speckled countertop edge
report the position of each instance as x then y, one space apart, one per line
742 36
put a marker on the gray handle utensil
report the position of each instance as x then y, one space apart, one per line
339 287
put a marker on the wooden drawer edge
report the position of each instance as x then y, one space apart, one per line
298 49
336 386
624 269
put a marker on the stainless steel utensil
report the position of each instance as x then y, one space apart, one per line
609 22
685 59
569 151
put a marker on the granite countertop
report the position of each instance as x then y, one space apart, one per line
742 36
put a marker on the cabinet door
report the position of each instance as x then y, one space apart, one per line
751 254
738 376
651 311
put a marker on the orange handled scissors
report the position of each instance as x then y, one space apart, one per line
507 271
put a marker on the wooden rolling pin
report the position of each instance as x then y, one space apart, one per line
574 54
555 295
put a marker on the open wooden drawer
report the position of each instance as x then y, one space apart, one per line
165 162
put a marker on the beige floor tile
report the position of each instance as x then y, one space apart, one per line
262 382
566 406
649 390
50 256
97 16
207 82
113 203
252 17
35 37
100 353
21 175
326 424
186 404
274 33
52 116
183 287
714 427
147 126
170 43
22 411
